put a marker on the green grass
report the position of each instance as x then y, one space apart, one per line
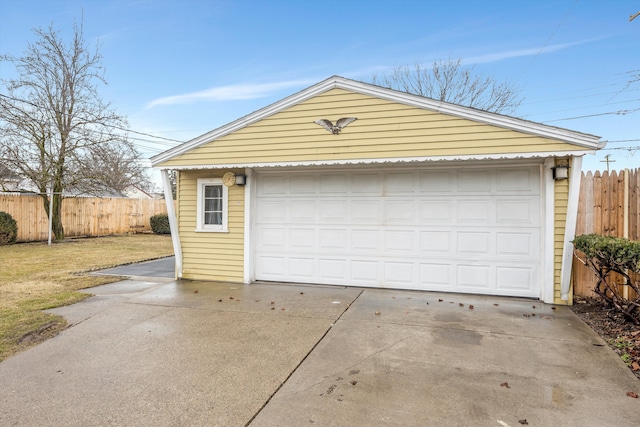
35 277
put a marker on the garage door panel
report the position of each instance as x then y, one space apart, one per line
366 211
516 244
436 211
365 272
272 238
303 184
366 184
367 241
273 211
400 183
271 267
516 211
474 211
400 242
333 239
516 180
334 271
302 268
337 183
474 230
301 210
435 242
333 211
515 279
475 243
436 276
399 211
302 238
474 181
399 273
436 182
273 185
473 277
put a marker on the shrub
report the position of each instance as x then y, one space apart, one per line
8 229
160 224
607 257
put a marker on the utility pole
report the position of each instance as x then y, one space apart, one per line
607 160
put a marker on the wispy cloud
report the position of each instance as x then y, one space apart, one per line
381 69
229 93
499 56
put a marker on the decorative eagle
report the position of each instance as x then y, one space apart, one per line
340 124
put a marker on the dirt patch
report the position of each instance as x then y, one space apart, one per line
49 330
622 336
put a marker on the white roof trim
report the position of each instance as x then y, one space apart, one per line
514 156
538 129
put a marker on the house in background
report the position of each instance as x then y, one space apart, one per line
9 181
413 194
135 192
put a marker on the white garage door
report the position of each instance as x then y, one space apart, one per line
468 229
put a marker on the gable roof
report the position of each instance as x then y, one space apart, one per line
582 140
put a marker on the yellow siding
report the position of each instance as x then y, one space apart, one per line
384 129
561 192
210 256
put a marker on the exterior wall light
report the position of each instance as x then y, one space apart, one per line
241 179
560 172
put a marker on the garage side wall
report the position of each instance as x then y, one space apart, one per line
214 256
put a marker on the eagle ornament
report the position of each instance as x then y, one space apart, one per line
340 124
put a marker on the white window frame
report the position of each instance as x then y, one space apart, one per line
210 228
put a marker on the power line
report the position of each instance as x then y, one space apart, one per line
553 33
624 140
618 113
84 118
581 108
634 148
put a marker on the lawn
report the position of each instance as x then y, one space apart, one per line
35 277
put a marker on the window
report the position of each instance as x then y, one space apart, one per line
212 205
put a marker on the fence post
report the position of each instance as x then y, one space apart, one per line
50 215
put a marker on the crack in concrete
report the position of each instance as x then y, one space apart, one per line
304 358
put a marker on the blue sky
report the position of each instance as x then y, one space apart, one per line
178 69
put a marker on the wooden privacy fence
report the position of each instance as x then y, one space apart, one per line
609 205
81 216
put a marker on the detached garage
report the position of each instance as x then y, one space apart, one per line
404 192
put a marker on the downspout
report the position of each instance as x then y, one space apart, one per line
173 222
570 228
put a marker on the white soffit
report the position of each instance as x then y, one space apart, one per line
337 82
479 157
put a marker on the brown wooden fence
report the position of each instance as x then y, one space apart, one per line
81 216
609 205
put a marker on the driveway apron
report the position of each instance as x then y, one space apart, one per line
215 354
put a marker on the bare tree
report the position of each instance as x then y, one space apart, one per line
173 181
53 121
449 81
112 167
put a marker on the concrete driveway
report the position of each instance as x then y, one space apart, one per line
167 353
